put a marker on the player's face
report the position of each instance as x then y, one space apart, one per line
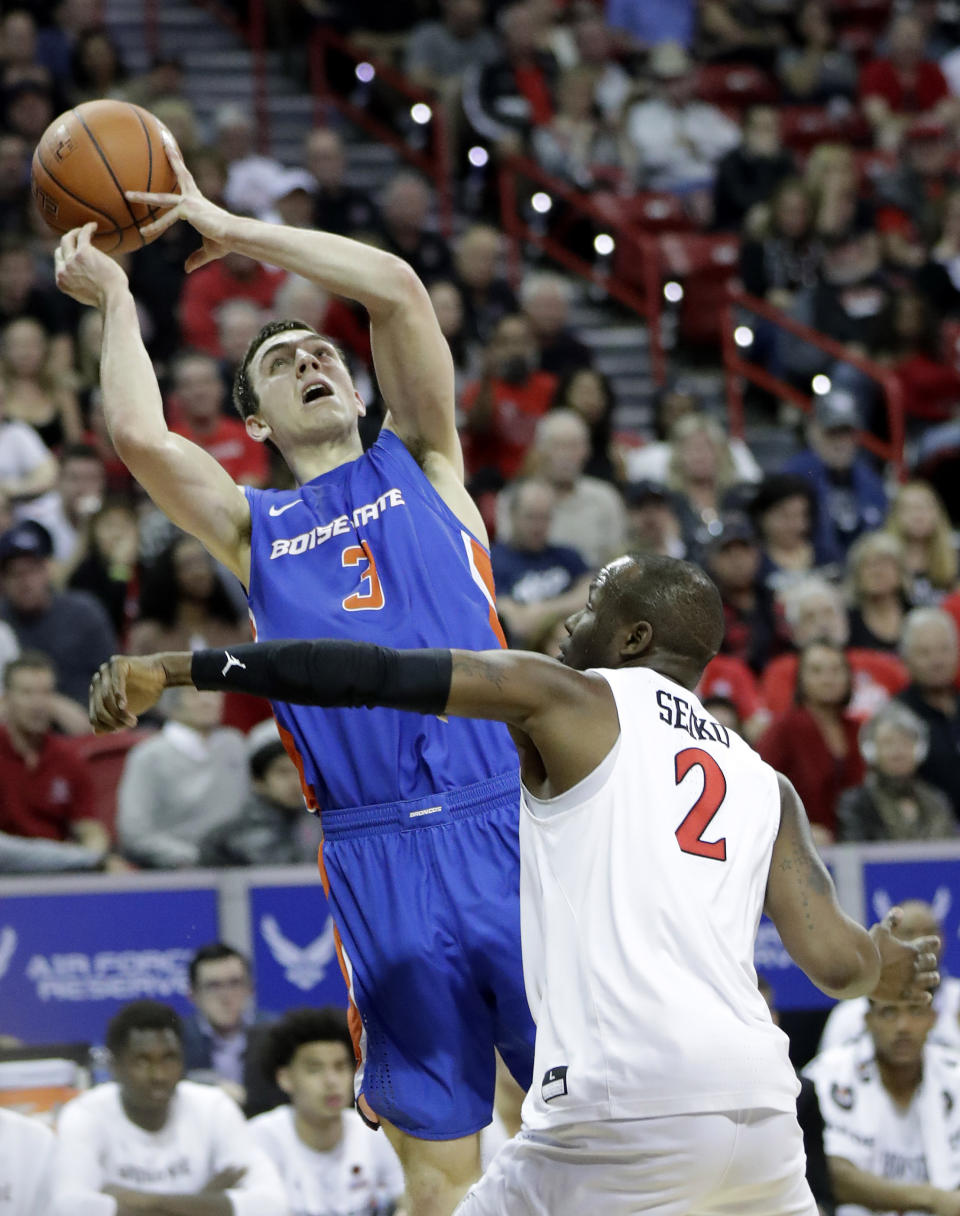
319 1080
222 992
900 1031
593 635
147 1071
304 388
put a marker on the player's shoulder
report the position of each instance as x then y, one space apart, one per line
30 1134
839 1063
273 1125
208 1101
99 1102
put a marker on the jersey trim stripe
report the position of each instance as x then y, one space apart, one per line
482 573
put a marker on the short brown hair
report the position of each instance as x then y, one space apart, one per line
27 660
245 397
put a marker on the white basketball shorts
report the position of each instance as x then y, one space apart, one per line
740 1163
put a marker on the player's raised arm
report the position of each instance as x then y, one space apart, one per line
838 955
413 361
185 482
569 717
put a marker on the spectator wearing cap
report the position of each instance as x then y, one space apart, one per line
894 803
814 744
903 84
850 498
812 609
653 520
46 788
727 681
536 581
784 513
749 173
337 206
732 558
291 199
71 627
679 140
271 827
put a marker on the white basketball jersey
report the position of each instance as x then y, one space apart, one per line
641 892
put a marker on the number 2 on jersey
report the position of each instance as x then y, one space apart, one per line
697 820
370 597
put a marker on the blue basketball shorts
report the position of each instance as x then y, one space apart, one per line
425 895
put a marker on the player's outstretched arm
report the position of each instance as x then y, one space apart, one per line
185 482
570 717
412 358
838 955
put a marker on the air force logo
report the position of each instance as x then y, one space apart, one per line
303 966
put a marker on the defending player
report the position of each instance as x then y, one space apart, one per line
420 816
652 840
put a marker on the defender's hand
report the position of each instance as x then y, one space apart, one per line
123 688
190 205
908 970
83 271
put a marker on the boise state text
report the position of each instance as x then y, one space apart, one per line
676 712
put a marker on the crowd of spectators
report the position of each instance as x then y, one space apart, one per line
838 584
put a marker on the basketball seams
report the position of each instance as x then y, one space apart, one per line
146 135
114 227
113 177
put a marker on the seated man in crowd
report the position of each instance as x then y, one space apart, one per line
152 1142
850 496
930 650
180 784
846 1022
46 791
328 1160
71 627
536 581
891 1106
271 827
814 609
223 1040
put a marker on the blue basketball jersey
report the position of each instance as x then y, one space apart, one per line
370 552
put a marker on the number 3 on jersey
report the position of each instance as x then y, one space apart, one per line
369 597
697 820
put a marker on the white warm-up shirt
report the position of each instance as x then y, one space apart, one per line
205 1133
26 1155
846 1021
641 893
361 1174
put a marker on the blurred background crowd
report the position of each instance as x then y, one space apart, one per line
563 153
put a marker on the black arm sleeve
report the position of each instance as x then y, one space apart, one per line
330 673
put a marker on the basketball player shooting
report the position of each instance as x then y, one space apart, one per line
652 840
420 815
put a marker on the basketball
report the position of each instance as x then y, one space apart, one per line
85 161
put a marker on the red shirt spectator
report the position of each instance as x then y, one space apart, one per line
729 677
196 413
876 678
44 798
233 277
795 746
905 93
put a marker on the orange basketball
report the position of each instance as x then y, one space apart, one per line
85 161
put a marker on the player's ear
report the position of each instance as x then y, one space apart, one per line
637 639
361 407
283 1080
257 429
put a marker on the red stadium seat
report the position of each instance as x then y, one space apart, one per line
735 84
705 265
107 755
804 127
